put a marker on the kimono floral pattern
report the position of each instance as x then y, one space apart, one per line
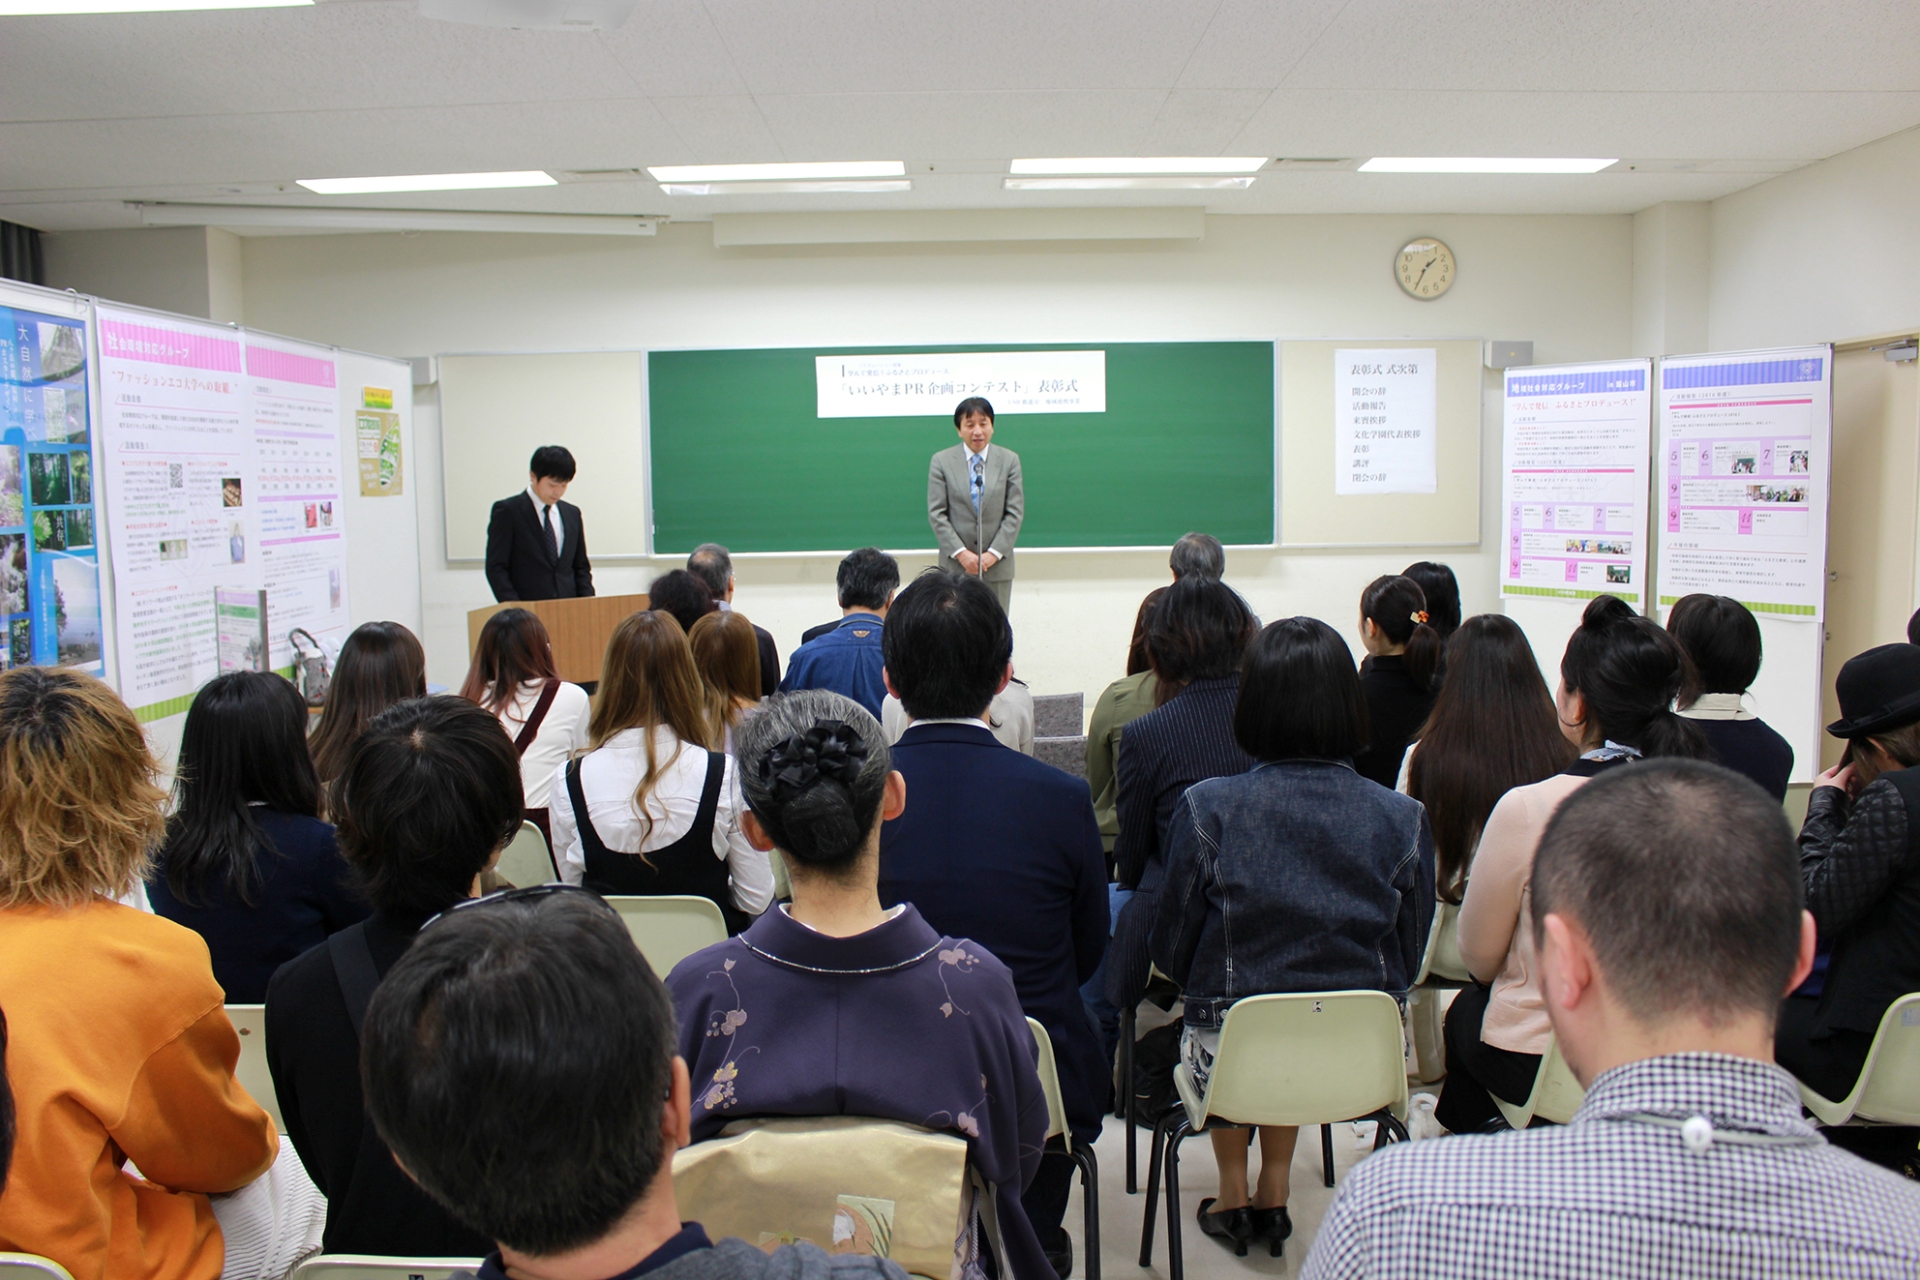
960 961
719 1093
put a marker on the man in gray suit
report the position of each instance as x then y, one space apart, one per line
974 501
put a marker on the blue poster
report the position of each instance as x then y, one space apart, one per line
49 526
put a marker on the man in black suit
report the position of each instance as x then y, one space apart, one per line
536 547
713 565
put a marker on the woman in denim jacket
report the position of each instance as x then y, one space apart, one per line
1298 876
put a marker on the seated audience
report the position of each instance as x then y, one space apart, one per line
1618 680
998 847
713 565
1442 592
120 1050
428 798
836 1006
1298 876
513 677
553 1137
650 809
1723 640
1666 906
1492 729
1119 705
846 657
1009 716
727 656
1198 555
1403 656
681 595
1861 864
246 864
1196 640
380 664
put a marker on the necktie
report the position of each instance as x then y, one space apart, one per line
979 480
546 522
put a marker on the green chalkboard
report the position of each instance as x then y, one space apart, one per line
740 458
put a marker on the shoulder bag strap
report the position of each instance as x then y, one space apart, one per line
531 729
355 970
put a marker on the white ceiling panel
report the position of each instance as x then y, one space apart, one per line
1254 43
672 49
985 125
718 130
1201 122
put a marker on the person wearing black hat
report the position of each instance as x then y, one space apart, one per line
1860 854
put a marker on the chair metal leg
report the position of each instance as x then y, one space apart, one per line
1153 1184
1129 1019
1090 1202
1176 1257
1390 1124
1326 1152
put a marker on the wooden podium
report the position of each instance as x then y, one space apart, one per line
580 628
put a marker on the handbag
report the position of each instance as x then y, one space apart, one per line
312 673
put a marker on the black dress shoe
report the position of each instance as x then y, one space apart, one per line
1232 1226
1273 1226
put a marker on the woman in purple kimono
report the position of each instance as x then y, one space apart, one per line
834 1006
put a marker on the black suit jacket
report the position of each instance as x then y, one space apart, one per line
520 559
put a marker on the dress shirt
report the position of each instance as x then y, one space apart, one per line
540 509
608 778
561 734
970 456
1618 1193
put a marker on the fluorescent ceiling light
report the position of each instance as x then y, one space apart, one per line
874 187
22 8
1126 184
334 218
427 182
1481 164
800 172
1139 164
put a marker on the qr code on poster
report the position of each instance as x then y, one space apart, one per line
176 475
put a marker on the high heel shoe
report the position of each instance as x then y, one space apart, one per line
1272 1225
1232 1226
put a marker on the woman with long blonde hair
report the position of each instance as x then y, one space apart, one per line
650 809
727 654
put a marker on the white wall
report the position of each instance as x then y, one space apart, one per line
186 270
1564 282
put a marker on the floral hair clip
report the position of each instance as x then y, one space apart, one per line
830 749
1419 615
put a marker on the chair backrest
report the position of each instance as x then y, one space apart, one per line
250 1020
1889 1088
1068 753
669 928
31 1266
1315 1058
1442 957
1556 1094
525 861
1049 1080
354 1266
1059 715
845 1183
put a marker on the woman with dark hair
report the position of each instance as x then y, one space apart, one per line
247 864
1120 704
1326 878
380 664
428 796
1723 639
513 677
651 809
836 1005
1403 656
1196 638
726 652
1442 591
1492 729
1618 680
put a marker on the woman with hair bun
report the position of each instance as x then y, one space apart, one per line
834 1006
1618 680
1403 657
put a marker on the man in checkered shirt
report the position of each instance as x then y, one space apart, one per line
1667 909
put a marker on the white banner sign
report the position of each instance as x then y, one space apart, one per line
1385 403
933 385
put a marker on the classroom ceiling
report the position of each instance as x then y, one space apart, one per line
1703 96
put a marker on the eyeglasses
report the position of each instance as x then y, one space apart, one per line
532 893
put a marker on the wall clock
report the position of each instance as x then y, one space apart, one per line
1424 268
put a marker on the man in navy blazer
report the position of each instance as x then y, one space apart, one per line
536 544
997 847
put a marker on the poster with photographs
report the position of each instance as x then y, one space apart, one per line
49 562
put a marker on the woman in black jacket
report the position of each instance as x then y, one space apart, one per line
1403 657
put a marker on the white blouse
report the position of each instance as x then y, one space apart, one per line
560 736
608 778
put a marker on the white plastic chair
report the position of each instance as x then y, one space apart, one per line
31 1266
526 860
250 1020
1083 1157
1296 1059
1441 969
1888 1091
353 1266
1556 1094
671 927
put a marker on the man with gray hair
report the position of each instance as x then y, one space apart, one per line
1198 555
713 565
1667 910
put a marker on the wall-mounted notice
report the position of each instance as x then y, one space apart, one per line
240 625
911 385
177 462
49 564
1386 405
1743 459
376 433
1574 481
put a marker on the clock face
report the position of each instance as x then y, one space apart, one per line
1425 269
